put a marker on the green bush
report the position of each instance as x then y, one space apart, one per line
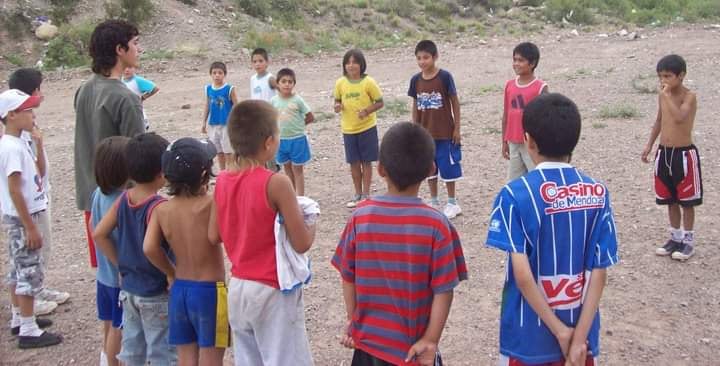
62 10
134 11
285 11
15 23
574 11
69 47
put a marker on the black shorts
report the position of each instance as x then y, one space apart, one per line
362 358
677 176
361 147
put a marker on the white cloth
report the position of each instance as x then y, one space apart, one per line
27 136
293 269
16 156
260 87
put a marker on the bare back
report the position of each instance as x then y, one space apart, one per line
184 223
677 117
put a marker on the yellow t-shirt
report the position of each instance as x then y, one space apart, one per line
356 95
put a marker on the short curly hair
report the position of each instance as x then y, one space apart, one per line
104 41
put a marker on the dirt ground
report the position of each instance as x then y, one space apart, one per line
655 311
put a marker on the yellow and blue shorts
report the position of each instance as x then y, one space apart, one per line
198 313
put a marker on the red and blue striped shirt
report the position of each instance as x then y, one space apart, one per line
398 252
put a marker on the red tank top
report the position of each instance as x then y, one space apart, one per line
516 98
246 224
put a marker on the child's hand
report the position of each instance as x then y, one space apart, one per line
170 281
664 89
363 113
564 337
338 107
37 136
505 150
576 355
644 155
456 138
203 129
34 239
423 352
345 338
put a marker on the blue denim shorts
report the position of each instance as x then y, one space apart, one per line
145 331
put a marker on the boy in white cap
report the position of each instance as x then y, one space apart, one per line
23 203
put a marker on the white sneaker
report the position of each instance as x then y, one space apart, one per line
47 294
452 210
42 307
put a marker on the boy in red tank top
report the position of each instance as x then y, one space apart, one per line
268 326
518 93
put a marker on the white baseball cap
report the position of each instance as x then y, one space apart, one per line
16 100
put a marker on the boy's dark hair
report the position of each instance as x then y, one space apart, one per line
260 51
104 41
553 121
218 65
528 51
27 80
143 156
286 72
111 170
407 153
673 63
359 58
250 123
428 46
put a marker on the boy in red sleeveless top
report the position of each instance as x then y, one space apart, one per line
268 326
518 93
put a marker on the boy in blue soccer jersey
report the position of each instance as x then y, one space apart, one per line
220 97
399 260
141 87
557 226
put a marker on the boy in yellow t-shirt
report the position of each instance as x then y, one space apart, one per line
357 98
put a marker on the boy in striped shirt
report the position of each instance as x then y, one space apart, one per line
400 260
557 226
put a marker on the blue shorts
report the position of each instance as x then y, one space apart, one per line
447 161
198 313
295 150
108 304
361 146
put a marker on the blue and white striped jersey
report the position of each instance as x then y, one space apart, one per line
562 220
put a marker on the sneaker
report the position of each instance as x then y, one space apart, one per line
669 248
452 210
41 322
44 307
43 340
52 295
684 252
354 202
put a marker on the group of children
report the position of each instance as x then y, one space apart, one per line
399 258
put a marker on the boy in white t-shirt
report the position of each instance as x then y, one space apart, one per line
23 203
263 85
141 87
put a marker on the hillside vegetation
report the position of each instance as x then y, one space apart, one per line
313 26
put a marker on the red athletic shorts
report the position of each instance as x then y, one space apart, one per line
91 243
677 176
509 361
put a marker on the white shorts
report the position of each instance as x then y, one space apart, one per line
217 134
268 326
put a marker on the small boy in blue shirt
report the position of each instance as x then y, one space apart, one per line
141 87
220 98
143 294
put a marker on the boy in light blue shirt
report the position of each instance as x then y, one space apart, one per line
141 87
293 114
